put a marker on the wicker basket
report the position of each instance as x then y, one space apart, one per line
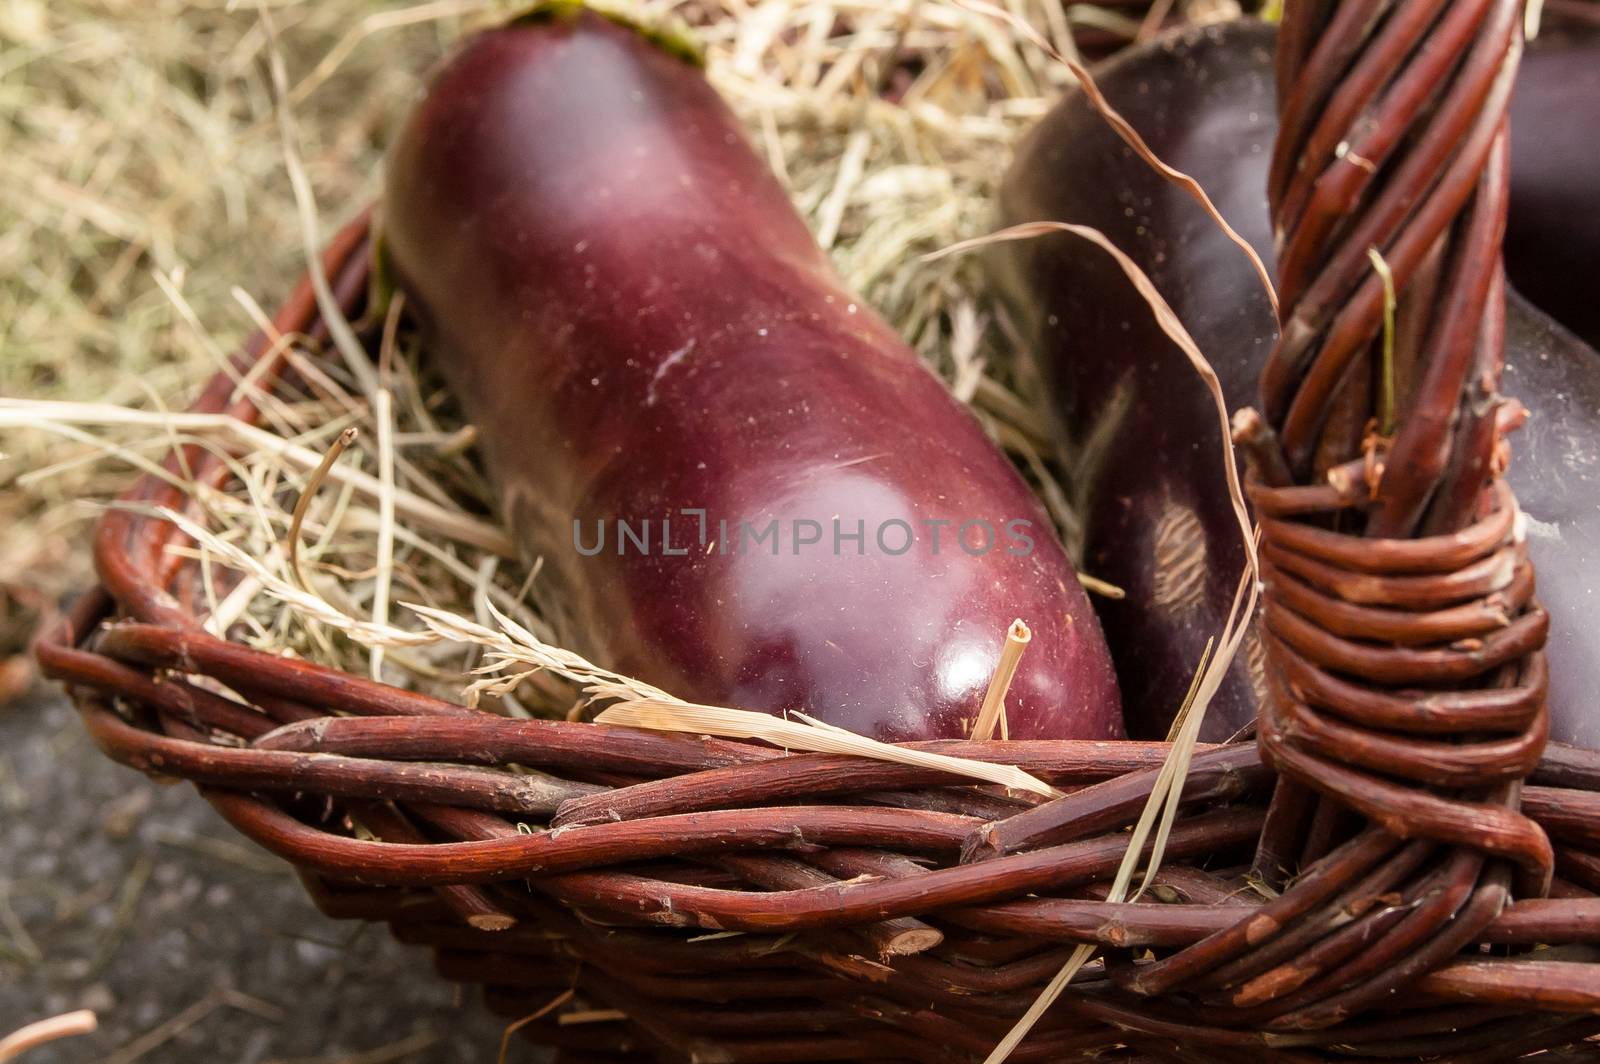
1396 867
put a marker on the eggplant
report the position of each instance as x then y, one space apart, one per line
1138 429
1555 471
745 488
1143 432
1552 243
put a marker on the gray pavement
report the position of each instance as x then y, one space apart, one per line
136 900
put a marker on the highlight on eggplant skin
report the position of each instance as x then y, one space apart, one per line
1145 431
629 308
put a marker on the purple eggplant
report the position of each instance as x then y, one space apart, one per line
744 486
1553 228
1139 429
1143 429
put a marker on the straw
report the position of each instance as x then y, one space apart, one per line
993 710
884 122
807 734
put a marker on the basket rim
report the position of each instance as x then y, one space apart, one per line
141 656
1407 841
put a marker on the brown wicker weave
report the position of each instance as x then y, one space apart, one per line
1438 864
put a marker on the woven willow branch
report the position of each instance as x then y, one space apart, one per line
686 897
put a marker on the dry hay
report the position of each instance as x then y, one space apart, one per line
147 217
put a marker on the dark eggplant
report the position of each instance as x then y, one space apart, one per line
1553 227
630 310
1143 430
1139 429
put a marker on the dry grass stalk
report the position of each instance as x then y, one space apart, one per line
67 1025
993 710
1166 794
533 1017
313 483
1386 405
812 735
1130 136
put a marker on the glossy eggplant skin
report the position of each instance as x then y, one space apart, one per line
1203 100
1555 469
630 310
1553 227
1144 445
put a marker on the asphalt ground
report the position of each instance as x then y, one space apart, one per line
135 899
